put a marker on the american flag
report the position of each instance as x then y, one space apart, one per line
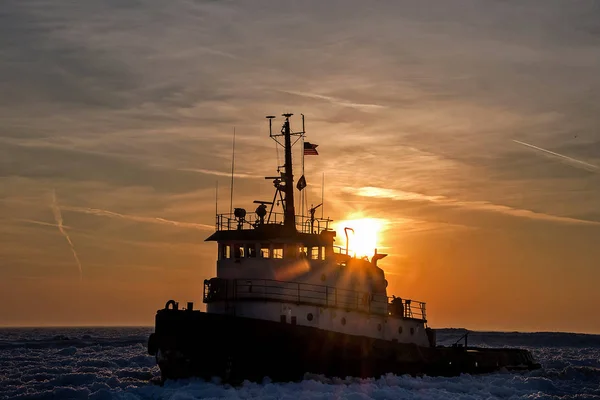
310 149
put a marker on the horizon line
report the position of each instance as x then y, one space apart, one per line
152 326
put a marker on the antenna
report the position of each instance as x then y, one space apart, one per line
270 117
217 197
232 168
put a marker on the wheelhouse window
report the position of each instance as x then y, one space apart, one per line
251 251
322 256
302 252
238 251
314 253
265 250
277 251
225 251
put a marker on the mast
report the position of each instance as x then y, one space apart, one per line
284 183
290 213
302 192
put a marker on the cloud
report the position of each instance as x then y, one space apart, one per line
46 161
401 195
137 218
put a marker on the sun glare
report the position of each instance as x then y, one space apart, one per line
364 238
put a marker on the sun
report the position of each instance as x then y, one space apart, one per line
364 237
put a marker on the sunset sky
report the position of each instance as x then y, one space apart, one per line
470 129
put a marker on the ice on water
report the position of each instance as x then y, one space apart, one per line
112 363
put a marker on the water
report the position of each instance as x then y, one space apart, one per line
112 363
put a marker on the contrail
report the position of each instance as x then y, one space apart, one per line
219 173
578 163
341 102
59 223
42 223
137 218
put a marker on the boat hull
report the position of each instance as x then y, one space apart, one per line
197 344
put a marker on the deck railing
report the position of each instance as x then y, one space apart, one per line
218 289
227 222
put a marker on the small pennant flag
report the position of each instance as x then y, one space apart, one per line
310 149
301 183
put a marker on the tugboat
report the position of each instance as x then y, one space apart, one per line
286 302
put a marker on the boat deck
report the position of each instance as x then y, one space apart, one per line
235 290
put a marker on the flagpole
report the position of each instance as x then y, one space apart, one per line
302 191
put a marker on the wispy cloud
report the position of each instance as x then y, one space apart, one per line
194 51
137 218
394 194
336 101
59 223
472 205
570 160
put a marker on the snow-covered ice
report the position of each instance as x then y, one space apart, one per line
112 363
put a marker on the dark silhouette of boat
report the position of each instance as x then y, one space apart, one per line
286 302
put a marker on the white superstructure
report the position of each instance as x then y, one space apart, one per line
288 270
